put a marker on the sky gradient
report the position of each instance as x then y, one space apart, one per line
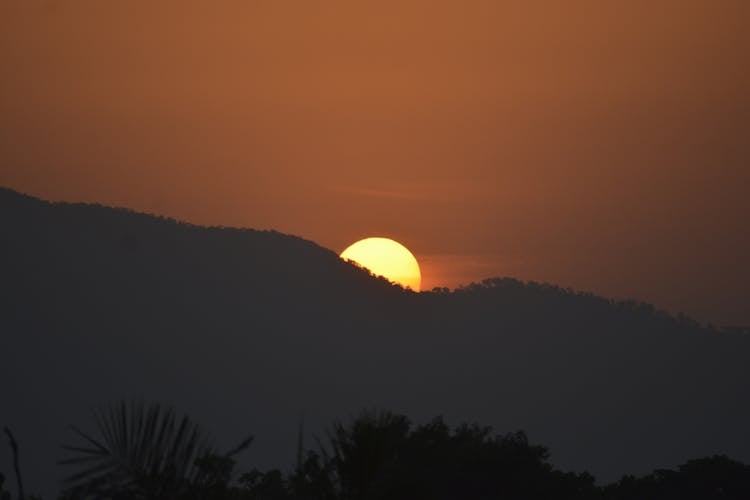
592 145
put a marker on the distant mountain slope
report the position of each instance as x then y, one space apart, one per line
247 330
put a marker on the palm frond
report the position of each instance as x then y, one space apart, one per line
136 444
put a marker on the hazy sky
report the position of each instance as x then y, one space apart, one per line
599 145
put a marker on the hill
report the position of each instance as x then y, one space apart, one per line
248 330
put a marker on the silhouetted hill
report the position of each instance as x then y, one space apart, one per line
246 330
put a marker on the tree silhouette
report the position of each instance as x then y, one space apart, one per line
377 455
471 462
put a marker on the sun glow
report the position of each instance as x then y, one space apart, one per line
388 258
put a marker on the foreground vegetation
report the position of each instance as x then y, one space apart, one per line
149 452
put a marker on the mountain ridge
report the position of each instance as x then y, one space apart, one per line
8 194
246 329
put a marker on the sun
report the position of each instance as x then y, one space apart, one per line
388 258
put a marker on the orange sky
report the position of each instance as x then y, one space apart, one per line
599 145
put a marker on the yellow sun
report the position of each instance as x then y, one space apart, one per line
388 258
